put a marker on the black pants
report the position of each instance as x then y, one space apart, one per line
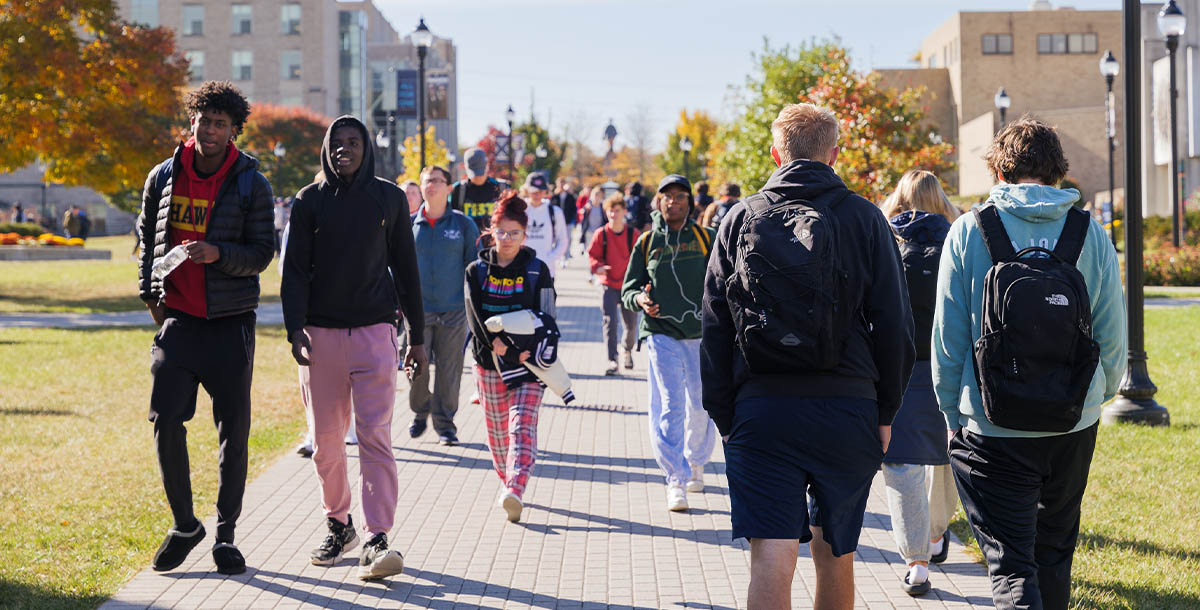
1022 498
190 351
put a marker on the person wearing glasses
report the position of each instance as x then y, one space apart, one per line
508 277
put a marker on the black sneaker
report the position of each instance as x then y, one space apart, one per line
378 561
448 439
341 538
228 558
175 548
417 428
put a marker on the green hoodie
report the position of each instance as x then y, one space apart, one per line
673 263
1033 215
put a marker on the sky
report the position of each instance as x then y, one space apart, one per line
579 63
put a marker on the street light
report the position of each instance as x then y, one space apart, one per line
1109 69
423 39
1135 397
1171 24
1002 102
685 144
42 167
510 115
279 149
541 151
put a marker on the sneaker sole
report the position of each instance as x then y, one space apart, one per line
389 565
349 546
916 590
695 487
512 506
678 507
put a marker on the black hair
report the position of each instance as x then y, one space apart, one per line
222 96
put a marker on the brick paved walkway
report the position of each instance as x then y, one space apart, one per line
594 535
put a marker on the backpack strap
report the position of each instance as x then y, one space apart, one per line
702 237
999 246
245 185
164 173
628 238
1070 243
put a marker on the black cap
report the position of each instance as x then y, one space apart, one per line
538 181
677 180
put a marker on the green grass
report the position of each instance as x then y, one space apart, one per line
87 286
81 502
1161 292
1139 542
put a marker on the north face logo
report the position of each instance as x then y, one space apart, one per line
1058 299
790 340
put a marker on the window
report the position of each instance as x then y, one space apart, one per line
1057 44
997 44
933 61
289 65
195 65
290 19
242 63
193 20
241 19
1091 43
144 12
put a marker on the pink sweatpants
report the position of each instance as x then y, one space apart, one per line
358 366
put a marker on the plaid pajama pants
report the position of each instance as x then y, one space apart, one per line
512 417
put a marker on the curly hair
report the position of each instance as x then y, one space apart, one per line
1027 148
222 96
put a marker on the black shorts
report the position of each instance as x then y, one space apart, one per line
782 449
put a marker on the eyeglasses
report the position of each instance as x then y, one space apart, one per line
677 197
508 235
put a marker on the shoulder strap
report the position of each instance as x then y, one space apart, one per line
628 238
999 246
1070 243
245 185
646 245
702 237
164 173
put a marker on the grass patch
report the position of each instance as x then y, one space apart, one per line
1169 292
87 286
81 501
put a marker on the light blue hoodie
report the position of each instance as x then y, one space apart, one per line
1033 215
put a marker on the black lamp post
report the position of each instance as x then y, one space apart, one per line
423 38
1002 102
1171 24
685 144
1109 68
1135 398
510 115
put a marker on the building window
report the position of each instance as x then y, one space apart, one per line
195 65
241 19
144 12
290 19
243 61
193 20
1057 44
933 61
289 64
997 44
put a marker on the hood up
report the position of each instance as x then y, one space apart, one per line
1035 203
920 227
366 171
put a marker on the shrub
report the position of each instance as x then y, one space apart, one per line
21 228
1169 266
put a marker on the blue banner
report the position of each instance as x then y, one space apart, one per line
406 94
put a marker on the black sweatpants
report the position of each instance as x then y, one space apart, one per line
1022 498
218 354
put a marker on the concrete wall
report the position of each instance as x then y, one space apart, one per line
974 137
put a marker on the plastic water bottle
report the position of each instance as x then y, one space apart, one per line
168 263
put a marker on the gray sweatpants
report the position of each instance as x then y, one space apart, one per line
445 337
614 315
922 500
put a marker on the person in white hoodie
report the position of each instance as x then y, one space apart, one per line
547 230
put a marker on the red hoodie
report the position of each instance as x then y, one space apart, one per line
191 202
616 256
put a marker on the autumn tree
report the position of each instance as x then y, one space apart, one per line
534 140
701 129
436 153
287 142
96 99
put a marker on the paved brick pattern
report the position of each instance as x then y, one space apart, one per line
594 535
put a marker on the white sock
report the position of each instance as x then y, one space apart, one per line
917 574
935 548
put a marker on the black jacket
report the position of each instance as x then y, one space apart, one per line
922 235
502 296
350 258
878 356
245 238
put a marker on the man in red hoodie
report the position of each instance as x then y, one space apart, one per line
609 256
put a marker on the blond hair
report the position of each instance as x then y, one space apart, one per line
804 131
919 190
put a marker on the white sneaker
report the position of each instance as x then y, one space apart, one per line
676 498
511 505
695 484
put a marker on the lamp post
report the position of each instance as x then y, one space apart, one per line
384 142
1171 24
685 144
1109 68
279 150
510 115
423 39
42 176
1135 397
1002 102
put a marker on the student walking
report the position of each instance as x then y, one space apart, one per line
609 254
665 280
808 344
210 200
508 277
547 230
1022 399
476 196
350 266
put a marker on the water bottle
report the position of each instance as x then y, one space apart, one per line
168 263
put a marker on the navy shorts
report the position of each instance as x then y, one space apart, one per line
795 461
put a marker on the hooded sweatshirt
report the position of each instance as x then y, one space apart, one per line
673 263
350 255
494 289
1033 215
925 233
878 355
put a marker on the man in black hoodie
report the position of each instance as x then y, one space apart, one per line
350 266
804 408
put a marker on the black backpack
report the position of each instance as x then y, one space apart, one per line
921 260
787 296
1035 358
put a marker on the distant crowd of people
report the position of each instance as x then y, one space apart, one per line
819 336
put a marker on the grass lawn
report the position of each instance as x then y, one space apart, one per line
1139 542
87 286
81 502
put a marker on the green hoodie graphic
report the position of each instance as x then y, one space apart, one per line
673 263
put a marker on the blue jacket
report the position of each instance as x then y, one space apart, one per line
443 251
1032 214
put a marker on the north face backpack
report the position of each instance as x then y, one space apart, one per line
787 295
1035 358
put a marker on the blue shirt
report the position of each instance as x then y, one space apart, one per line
444 249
